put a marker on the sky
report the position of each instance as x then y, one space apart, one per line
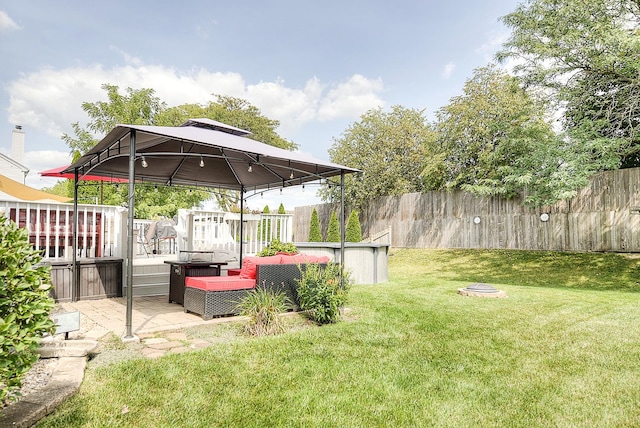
315 66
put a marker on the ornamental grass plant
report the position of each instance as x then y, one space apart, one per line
263 308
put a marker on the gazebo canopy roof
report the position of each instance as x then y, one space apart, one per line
174 155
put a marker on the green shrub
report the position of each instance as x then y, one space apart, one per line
276 247
353 232
321 292
263 308
315 235
24 306
333 232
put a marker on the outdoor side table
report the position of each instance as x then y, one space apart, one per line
180 270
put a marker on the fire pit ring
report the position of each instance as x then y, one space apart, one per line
481 290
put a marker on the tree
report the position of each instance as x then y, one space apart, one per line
494 139
391 149
137 107
586 57
333 232
353 232
315 235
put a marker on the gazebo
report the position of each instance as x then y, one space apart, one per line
202 153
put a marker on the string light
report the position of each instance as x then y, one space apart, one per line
201 162
291 176
144 162
250 167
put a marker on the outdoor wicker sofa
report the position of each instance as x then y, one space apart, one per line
213 296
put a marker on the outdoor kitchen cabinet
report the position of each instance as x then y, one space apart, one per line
99 278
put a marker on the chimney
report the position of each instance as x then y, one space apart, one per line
17 144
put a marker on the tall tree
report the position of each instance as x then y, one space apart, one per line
391 149
333 230
315 235
353 232
586 56
494 138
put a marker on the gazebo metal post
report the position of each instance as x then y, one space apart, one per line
130 218
342 227
241 222
75 279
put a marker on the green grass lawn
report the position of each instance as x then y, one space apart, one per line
562 350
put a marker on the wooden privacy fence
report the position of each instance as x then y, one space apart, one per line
604 216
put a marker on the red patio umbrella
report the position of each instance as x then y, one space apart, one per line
58 172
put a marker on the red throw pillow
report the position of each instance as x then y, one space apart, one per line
248 268
249 265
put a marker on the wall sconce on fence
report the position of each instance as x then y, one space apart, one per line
477 220
544 217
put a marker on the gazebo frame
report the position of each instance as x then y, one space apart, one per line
203 152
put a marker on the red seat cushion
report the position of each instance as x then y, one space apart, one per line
218 283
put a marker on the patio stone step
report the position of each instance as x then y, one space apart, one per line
150 278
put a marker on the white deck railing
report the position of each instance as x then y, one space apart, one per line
102 230
208 230
50 226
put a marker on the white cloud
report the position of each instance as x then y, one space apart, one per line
6 23
494 44
40 161
351 98
130 59
448 70
51 99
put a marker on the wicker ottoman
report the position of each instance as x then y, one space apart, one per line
215 296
